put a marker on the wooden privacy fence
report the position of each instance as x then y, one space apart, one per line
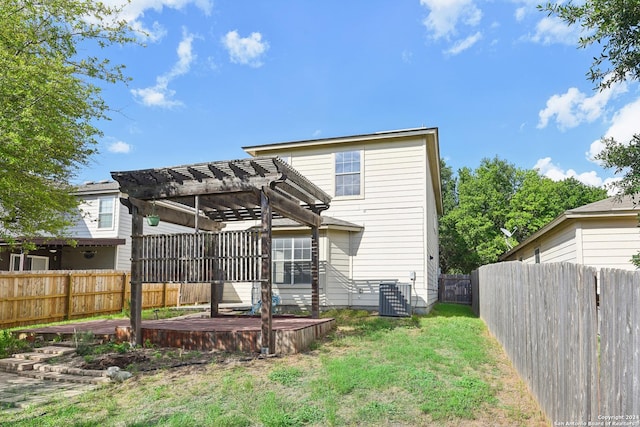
545 317
454 288
28 298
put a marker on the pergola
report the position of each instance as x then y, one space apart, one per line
204 196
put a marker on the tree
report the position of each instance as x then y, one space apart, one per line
611 24
498 195
539 200
452 245
474 224
49 104
615 26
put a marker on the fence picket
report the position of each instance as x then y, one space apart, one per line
28 298
546 318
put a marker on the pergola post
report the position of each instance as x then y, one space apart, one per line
217 274
315 274
268 345
137 231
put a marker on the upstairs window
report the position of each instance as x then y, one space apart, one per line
292 261
105 213
348 168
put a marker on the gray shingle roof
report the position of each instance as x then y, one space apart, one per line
611 204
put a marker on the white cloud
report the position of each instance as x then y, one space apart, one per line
134 11
407 55
551 29
462 45
245 50
520 13
445 15
547 168
574 107
160 95
624 125
317 133
119 147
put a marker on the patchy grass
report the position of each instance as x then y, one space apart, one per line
440 369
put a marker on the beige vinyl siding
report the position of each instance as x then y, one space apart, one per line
557 246
392 208
610 243
337 266
560 246
432 238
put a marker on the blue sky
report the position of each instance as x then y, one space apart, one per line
496 77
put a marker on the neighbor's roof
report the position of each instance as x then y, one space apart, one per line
612 207
100 187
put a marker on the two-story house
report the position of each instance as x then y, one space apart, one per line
382 225
101 233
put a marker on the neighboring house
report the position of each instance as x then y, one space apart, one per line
382 225
602 234
102 232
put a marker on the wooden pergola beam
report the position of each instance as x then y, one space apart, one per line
173 189
290 209
173 216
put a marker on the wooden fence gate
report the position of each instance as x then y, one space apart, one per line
454 288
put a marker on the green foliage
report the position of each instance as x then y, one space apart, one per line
285 375
9 344
84 342
49 104
625 160
614 27
498 195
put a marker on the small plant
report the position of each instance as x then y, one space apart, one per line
83 341
122 348
10 344
88 358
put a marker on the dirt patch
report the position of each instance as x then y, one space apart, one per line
152 359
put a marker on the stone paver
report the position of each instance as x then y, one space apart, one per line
25 380
18 392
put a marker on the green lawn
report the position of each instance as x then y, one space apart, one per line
438 369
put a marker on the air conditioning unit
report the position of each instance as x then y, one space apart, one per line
395 299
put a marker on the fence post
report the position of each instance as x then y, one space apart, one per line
69 296
164 294
124 291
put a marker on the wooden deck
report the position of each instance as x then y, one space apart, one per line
225 332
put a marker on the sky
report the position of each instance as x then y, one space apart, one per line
497 78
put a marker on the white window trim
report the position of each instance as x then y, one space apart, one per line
333 176
113 213
273 261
